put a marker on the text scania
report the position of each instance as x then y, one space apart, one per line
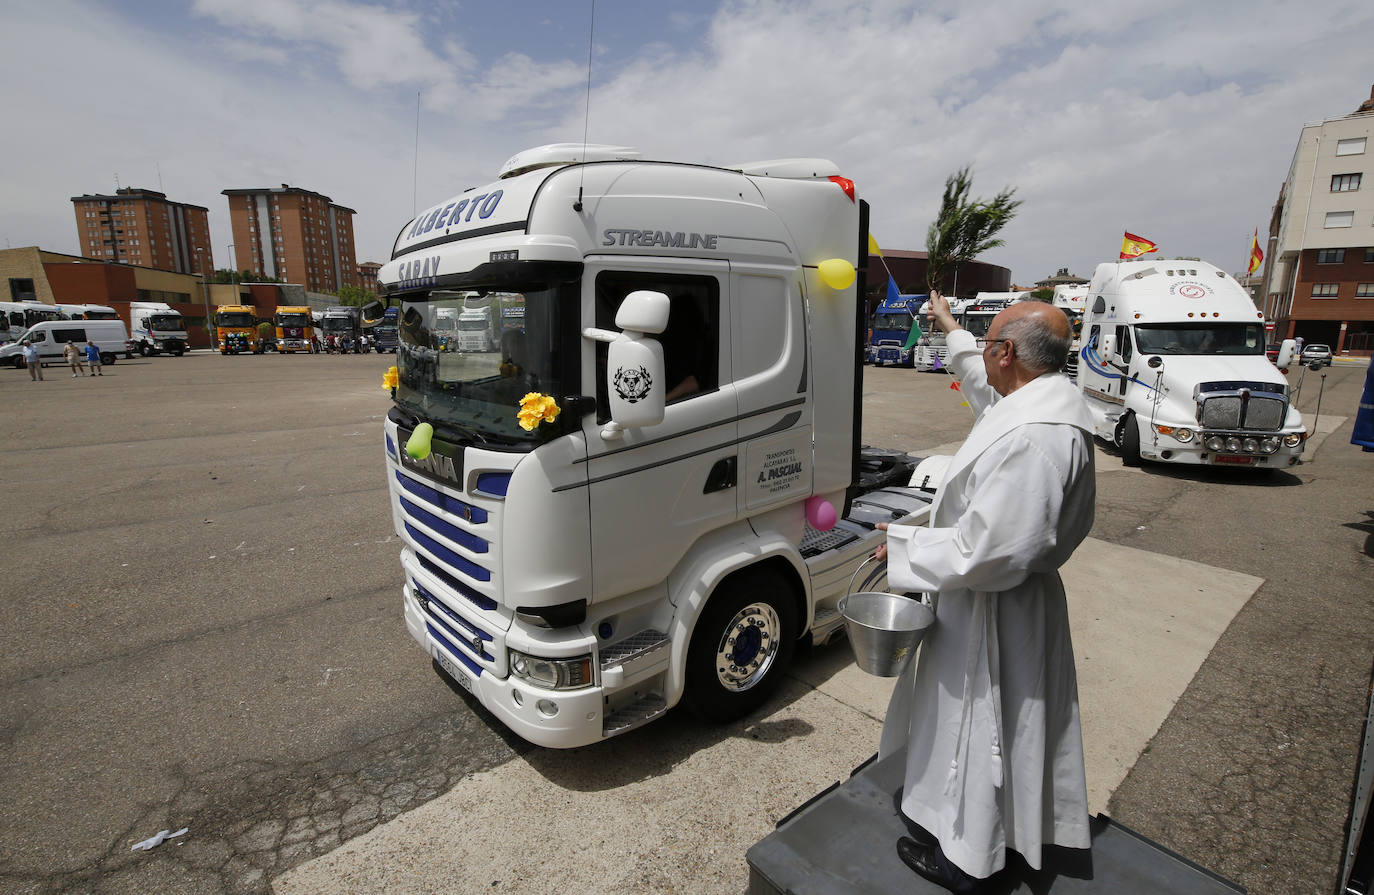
666 238
452 213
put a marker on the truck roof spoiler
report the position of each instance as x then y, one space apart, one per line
552 154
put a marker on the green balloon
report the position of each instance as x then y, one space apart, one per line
417 446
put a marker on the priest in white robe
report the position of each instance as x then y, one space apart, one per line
990 716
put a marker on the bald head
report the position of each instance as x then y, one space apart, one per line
1040 333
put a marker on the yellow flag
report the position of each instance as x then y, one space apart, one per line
873 246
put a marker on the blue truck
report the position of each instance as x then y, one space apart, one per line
384 332
892 335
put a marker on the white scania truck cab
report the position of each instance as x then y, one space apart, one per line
1173 369
691 388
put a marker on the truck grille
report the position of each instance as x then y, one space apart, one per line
1242 411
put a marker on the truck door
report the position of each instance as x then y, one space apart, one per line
655 490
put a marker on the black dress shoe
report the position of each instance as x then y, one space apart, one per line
930 862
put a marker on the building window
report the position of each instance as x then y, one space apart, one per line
1331 256
1344 183
1369 256
1364 290
1325 290
1336 219
1352 146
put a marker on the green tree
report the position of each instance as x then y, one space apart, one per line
241 276
355 296
1042 294
964 229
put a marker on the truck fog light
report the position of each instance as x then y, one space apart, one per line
1251 445
1293 439
1183 435
1269 445
547 707
1216 443
1233 444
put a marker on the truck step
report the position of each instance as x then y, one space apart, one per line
633 647
815 542
633 715
828 623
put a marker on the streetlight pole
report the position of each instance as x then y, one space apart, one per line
205 297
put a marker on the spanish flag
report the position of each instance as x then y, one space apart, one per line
1256 254
1133 246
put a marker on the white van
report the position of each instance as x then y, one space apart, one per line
51 338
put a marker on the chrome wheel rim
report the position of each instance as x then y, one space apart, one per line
748 647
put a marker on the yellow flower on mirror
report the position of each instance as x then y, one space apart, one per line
536 408
390 377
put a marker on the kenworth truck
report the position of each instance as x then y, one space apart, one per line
1173 369
636 504
236 329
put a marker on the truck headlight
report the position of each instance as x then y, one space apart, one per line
1183 435
1293 439
1216 443
552 674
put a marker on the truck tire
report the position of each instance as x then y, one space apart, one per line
143 349
741 646
1128 440
19 361
107 357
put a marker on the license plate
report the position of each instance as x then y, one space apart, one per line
1239 461
452 670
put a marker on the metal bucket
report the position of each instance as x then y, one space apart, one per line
884 629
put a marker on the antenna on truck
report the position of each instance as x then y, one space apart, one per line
587 110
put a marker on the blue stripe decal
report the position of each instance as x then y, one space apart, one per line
453 650
471 569
453 533
475 515
1098 366
463 590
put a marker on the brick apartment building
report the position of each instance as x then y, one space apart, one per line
142 227
295 235
367 275
1319 273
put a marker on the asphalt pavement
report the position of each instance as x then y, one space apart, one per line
202 629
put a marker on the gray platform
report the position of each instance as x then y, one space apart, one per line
843 842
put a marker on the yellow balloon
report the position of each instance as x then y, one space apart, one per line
417 446
836 273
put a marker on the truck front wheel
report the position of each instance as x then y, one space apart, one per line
741 647
1128 440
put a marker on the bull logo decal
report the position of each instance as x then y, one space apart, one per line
632 385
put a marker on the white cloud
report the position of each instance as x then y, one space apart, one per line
1175 120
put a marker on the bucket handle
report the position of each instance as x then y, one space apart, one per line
873 576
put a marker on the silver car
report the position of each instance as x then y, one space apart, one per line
1316 353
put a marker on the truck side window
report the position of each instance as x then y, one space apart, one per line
691 343
1093 334
1123 342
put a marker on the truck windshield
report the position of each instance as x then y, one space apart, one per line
293 320
1209 338
337 325
167 323
899 322
480 391
977 324
472 325
236 318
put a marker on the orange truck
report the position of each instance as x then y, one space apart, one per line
237 329
295 329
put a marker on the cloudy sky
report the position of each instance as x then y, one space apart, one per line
1175 120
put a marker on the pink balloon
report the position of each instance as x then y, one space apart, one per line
820 513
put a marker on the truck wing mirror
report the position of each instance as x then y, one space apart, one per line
1286 351
373 311
634 363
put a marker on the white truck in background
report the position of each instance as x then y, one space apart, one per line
1173 369
88 312
659 488
156 328
478 329
1072 300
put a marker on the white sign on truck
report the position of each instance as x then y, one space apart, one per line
1173 368
610 515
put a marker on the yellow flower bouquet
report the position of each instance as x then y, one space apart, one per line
390 377
536 408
